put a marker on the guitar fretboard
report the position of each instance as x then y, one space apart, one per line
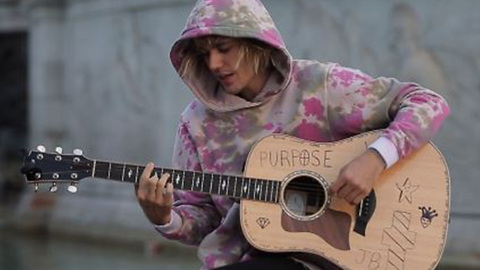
226 185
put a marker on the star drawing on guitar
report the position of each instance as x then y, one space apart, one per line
406 191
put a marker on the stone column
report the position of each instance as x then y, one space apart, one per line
47 103
46 99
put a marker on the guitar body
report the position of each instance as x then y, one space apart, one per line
403 225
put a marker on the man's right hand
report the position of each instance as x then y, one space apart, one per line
155 196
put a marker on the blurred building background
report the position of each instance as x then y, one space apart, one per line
95 75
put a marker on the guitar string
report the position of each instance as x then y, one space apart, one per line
313 194
120 167
307 186
304 186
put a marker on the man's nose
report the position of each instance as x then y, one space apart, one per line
214 60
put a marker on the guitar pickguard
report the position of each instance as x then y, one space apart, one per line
333 227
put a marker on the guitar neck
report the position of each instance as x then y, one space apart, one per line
226 185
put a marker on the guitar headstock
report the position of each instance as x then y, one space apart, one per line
40 167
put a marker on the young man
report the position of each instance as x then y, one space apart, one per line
247 86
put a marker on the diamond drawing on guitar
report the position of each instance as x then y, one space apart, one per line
263 222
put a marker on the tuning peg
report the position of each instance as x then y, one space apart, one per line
41 148
36 187
54 187
78 152
59 150
72 188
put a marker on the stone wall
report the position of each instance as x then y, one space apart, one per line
101 80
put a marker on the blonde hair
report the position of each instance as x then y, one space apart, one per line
251 50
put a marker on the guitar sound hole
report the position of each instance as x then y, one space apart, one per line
305 196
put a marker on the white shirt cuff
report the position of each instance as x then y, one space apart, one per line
172 227
387 150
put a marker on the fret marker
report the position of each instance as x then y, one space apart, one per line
224 185
258 189
177 180
245 188
198 182
130 172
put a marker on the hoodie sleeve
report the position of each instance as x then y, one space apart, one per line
197 211
409 114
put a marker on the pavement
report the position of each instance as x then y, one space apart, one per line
449 261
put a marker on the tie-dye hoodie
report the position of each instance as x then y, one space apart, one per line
307 99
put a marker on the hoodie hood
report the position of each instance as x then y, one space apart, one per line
237 19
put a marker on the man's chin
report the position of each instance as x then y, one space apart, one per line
231 91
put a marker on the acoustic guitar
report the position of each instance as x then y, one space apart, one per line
286 205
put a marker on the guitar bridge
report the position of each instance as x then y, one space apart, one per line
365 212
